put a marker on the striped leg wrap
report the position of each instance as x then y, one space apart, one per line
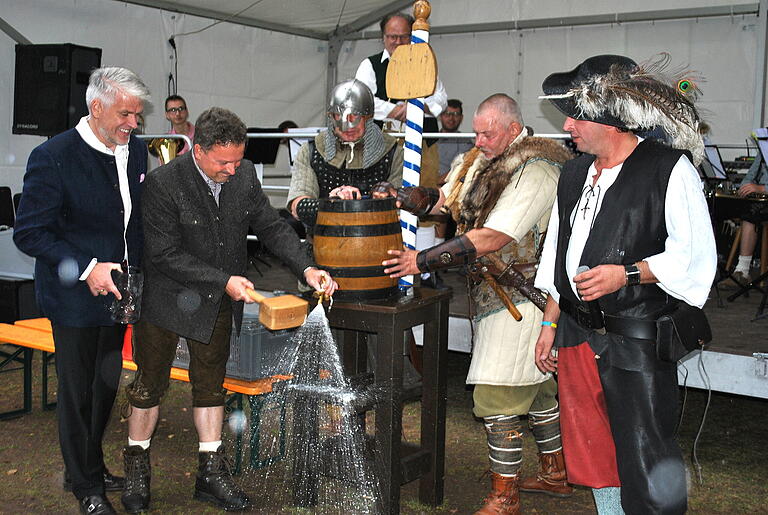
545 426
505 444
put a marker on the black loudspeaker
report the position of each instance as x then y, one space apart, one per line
49 94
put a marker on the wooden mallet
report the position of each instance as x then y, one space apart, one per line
412 70
283 312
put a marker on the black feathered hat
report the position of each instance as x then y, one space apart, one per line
615 90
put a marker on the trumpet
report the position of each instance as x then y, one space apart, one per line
165 149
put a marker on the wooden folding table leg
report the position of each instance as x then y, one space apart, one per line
734 249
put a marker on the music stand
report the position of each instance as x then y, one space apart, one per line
712 168
712 171
262 150
294 144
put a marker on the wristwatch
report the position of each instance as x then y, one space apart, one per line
633 275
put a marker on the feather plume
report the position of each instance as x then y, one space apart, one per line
646 97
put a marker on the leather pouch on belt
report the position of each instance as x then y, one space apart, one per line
680 332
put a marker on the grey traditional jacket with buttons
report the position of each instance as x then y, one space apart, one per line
192 246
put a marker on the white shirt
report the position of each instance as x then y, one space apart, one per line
121 161
365 74
686 267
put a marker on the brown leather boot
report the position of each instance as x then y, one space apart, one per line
551 478
504 498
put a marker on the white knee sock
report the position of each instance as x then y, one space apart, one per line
210 446
144 444
608 500
743 265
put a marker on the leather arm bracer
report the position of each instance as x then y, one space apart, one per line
418 200
454 252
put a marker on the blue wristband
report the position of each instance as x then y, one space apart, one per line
547 323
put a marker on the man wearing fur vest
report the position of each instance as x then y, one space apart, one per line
500 193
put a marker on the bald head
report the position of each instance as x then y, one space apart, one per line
497 122
502 107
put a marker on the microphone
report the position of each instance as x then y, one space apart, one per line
593 311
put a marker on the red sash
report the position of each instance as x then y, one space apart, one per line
590 454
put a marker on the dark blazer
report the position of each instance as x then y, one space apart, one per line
70 212
192 246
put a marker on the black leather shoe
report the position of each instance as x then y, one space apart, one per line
96 505
111 483
138 473
214 482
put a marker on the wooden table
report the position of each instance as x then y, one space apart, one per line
388 320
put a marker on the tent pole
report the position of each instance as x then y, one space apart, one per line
758 117
14 34
334 49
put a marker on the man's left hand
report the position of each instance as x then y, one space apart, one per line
321 280
345 192
404 263
599 281
751 188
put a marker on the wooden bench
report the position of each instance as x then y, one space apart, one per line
37 334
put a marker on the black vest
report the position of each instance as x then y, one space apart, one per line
330 177
380 69
629 227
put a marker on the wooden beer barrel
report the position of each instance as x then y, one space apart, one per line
351 240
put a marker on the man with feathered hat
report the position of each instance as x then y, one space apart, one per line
629 239
500 193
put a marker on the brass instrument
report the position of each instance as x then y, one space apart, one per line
165 149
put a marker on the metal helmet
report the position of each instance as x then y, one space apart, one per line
351 100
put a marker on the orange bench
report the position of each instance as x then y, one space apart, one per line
36 334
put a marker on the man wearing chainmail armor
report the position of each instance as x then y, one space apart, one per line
348 159
500 193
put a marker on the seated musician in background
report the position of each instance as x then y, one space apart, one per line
346 160
753 184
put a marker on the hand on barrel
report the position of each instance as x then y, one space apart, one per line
404 263
345 192
100 282
321 280
383 189
236 289
751 188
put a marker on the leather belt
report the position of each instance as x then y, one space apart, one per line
624 326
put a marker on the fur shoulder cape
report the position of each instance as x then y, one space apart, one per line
490 182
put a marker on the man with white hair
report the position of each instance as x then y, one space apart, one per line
500 193
79 218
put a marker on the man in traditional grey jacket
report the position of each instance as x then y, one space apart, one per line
196 212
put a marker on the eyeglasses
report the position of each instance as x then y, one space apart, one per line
398 37
175 109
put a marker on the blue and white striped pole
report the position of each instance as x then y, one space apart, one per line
414 126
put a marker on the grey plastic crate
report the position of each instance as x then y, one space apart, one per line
252 355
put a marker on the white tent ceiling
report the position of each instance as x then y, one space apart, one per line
324 19
313 18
